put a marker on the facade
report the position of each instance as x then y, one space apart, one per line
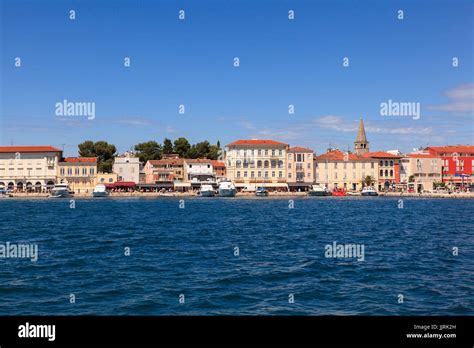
457 163
389 169
199 169
419 171
106 178
361 144
79 173
127 168
164 171
251 163
29 168
218 168
300 170
347 171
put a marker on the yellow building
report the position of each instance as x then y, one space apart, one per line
106 178
336 169
79 172
253 163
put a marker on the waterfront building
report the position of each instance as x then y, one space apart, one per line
106 178
300 170
457 163
361 144
419 171
29 168
253 163
127 168
336 169
389 169
165 171
79 173
219 168
198 169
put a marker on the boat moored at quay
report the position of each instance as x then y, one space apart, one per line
319 190
227 189
369 191
60 191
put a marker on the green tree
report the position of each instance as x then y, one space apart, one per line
368 181
104 152
181 147
150 150
167 146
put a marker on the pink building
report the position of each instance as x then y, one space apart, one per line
299 168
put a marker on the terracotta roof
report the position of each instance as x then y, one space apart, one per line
338 155
197 160
28 149
299 149
80 159
256 142
452 149
216 163
380 154
170 161
422 155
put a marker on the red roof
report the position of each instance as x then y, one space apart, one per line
216 163
338 155
14 149
168 161
197 160
422 155
380 154
299 149
81 159
256 142
452 149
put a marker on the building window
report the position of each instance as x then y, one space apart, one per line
252 174
245 174
391 172
381 163
238 163
391 163
372 165
386 163
62 171
266 164
266 175
289 175
280 174
363 165
298 157
280 152
309 165
266 152
289 165
84 171
259 164
259 152
353 165
273 174
92 171
289 156
386 172
259 174
238 174
335 165
381 172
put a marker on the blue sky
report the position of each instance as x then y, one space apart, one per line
282 62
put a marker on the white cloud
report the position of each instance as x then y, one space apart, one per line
460 99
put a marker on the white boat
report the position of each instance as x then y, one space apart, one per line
207 190
353 193
261 192
60 191
319 190
369 191
4 193
100 191
227 189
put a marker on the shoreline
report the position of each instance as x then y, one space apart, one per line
240 195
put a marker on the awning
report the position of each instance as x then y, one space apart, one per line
121 184
296 184
182 184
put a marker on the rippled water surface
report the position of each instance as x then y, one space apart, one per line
190 251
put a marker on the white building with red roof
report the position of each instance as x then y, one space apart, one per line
29 168
257 162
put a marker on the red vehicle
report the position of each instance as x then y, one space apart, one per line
338 192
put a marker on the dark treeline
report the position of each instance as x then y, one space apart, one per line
150 150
